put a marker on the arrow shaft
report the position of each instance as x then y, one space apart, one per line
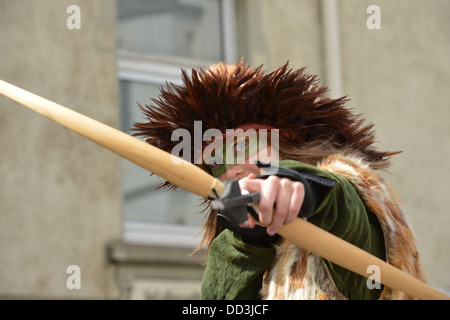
155 160
328 246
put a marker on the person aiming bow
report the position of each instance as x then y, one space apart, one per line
307 156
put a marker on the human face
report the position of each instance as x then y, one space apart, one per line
242 170
237 159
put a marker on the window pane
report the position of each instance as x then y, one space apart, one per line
184 28
141 201
156 39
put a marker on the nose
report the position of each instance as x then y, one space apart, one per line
232 173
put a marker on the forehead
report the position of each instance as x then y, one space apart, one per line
231 136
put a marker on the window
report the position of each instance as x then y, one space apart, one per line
156 39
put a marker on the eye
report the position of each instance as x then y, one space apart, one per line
240 146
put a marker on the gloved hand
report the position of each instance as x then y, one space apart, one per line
315 189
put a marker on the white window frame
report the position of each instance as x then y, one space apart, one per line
157 70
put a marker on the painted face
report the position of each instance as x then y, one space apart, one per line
238 152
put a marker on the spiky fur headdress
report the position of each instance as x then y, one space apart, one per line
228 96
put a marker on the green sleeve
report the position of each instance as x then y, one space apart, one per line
234 269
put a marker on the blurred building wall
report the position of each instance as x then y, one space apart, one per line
397 76
60 194
60 201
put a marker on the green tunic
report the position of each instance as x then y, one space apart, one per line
235 269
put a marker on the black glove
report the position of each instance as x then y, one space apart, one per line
316 188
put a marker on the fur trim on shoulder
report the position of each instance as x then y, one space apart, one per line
400 243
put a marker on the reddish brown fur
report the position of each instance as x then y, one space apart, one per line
299 271
227 96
